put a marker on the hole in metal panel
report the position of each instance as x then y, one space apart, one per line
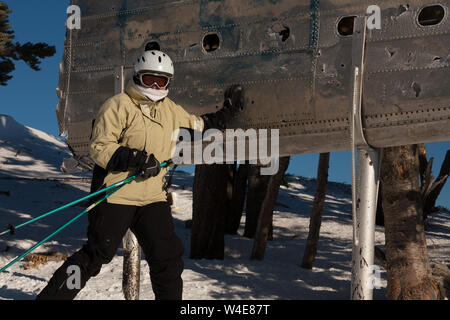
345 26
431 15
153 45
417 88
285 33
211 42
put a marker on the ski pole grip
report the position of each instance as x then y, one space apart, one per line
166 163
12 229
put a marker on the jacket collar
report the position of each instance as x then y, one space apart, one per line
148 107
137 97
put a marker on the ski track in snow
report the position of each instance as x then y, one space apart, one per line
279 276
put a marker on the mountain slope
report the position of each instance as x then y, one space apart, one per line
30 153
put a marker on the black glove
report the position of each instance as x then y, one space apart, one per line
125 159
150 168
233 104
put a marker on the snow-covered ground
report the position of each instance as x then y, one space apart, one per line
31 183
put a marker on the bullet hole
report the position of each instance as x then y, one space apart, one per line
285 34
345 26
153 45
390 52
417 89
211 42
437 59
431 15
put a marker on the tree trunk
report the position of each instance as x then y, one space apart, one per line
231 175
408 266
131 267
316 215
238 199
430 200
423 162
266 214
431 189
257 189
208 212
379 218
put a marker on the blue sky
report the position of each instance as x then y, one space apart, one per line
30 96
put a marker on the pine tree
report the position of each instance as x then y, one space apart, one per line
14 51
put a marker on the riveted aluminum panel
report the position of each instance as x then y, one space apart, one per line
288 54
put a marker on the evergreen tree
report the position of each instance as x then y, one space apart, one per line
14 51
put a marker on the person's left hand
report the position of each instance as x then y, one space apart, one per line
233 104
151 167
234 99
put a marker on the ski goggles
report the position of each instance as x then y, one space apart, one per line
148 80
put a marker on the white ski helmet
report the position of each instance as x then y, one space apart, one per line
154 61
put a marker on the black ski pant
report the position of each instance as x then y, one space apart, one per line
108 223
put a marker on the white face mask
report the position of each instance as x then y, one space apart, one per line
153 94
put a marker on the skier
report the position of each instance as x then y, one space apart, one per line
132 133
